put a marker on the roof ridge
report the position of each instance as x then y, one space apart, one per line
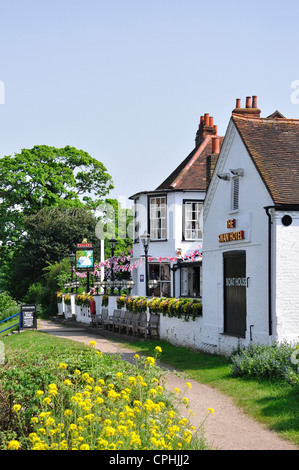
194 157
268 119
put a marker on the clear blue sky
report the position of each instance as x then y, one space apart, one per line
127 80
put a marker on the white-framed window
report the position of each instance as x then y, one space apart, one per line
192 220
191 281
161 272
235 193
158 217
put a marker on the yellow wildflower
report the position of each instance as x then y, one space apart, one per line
13 445
46 401
16 408
150 361
62 365
92 343
210 411
39 393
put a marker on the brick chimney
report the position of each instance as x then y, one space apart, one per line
250 110
212 159
206 127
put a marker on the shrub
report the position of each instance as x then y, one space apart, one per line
8 306
267 362
92 401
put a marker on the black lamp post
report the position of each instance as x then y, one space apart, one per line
145 239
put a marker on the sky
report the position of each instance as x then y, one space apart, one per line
127 80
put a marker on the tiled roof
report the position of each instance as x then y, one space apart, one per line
273 144
191 173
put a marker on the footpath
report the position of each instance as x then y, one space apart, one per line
228 429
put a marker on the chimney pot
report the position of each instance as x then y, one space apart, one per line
248 101
254 101
238 103
216 129
207 119
215 145
201 119
211 121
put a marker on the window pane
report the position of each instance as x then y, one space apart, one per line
193 229
158 218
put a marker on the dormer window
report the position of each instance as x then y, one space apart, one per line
158 218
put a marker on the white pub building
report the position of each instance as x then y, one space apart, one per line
172 216
251 233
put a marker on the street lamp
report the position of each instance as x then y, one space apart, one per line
104 284
111 285
145 239
152 284
129 283
119 284
97 284
66 286
76 284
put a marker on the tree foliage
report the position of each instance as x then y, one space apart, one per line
45 177
50 235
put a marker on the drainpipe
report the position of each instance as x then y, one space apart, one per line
267 209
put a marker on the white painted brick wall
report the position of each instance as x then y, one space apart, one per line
287 278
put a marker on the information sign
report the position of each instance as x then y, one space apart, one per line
28 316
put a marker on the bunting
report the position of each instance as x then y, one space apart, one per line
113 263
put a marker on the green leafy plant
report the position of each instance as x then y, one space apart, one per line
105 300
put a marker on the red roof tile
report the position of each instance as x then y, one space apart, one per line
273 144
191 173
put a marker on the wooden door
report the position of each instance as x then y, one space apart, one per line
235 286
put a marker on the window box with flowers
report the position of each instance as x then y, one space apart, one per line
173 307
105 300
120 302
67 299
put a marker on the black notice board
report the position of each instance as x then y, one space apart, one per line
29 316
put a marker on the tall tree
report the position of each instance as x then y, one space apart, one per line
51 235
47 176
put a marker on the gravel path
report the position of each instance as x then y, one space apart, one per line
228 429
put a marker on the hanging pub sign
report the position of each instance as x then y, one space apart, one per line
84 257
28 316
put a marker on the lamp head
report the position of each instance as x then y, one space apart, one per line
224 176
